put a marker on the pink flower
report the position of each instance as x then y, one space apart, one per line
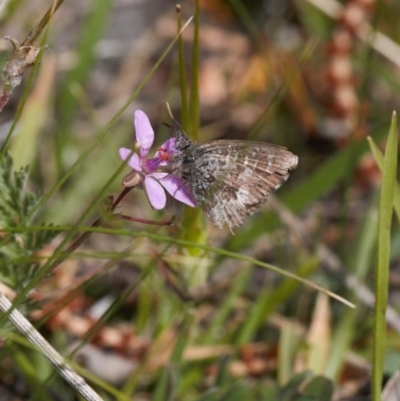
145 170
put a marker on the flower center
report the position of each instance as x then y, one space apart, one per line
150 165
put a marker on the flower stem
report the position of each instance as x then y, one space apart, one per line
85 236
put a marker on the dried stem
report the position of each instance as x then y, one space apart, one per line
25 327
23 57
37 30
165 271
144 221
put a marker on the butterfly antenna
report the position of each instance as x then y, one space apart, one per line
169 110
172 117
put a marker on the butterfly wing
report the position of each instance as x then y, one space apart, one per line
232 179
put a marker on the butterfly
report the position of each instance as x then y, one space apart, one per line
230 179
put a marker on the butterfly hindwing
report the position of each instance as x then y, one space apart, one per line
232 179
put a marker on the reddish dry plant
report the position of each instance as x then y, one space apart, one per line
346 112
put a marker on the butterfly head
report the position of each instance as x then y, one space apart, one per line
182 141
183 159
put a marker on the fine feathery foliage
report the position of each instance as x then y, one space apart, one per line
19 245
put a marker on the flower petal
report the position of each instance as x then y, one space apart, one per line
155 192
144 133
176 187
133 162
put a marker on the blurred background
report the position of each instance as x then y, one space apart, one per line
315 76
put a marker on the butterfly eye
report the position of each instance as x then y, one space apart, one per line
182 141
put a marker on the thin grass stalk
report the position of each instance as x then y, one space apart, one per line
194 92
186 243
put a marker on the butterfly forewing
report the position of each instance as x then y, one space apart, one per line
232 179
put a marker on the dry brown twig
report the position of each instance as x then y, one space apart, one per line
23 56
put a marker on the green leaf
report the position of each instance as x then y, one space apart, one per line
291 389
319 388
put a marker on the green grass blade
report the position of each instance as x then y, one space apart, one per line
247 21
30 373
269 301
382 268
287 342
223 311
193 226
185 119
360 264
